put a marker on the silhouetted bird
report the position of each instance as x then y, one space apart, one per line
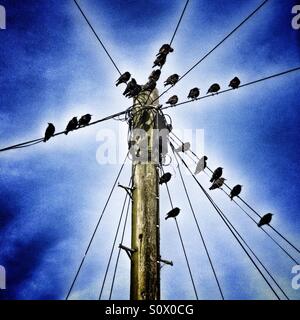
173 213
214 88
217 184
123 78
160 60
201 165
217 174
184 147
234 83
134 92
266 219
155 75
165 178
172 80
194 93
130 85
165 49
173 100
49 132
84 120
150 85
72 125
236 190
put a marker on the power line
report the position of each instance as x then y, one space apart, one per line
276 242
114 243
29 143
227 90
119 252
221 42
221 214
250 207
182 244
97 36
199 230
96 228
178 24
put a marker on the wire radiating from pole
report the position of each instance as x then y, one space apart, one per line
199 230
96 228
221 214
182 244
114 243
97 36
180 19
227 90
219 43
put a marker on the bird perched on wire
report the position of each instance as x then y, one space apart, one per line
150 85
194 93
172 80
173 100
49 132
184 147
217 183
234 83
201 165
123 78
165 49
173 213
130 86
85 120
72 125
266 219
214 88
155 75
165 178
160 60
236 190
216 174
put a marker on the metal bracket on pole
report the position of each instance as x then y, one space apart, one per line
129 251
170 263
127 189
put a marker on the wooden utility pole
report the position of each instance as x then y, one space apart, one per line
145 266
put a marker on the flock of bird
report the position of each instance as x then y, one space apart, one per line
217 182
133 89
73 124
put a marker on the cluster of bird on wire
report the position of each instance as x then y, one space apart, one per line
217 182
73 124
195 92
133 89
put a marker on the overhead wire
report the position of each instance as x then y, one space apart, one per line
113 245
97 36
231 89
95 229
182 244
180 19
199 229
250 207
119 252
221 214
218 44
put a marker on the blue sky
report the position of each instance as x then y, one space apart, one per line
51 195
